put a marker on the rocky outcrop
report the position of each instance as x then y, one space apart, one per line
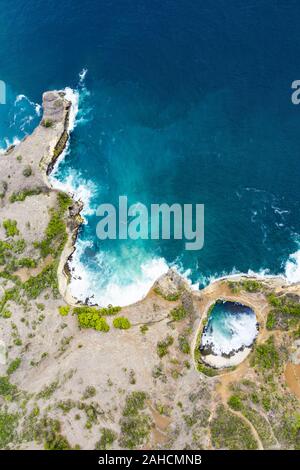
170 284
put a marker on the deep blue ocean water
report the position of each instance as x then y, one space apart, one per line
184 101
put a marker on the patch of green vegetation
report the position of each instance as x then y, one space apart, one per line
64 310
107 439
234 286
47 278
235 402
27 171
3 188
271 321
288 430
266 356
169 297
261 425
9 294
251 285
6 314
162 348
66 405
228 431
8 426
55 236
134 402
178 313
184 344
15 264
7 390
14 365
135 425
102 312
22 195
199 417
19 246
89 392
122 323
48 123
48 391
10 227
144 329
90 318
285 312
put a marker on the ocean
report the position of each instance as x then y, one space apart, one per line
179 101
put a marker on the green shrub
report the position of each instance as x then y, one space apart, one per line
163 346
64 202
106 440
235 402
271 321
13 366
48 123
122 323
135 425
64 310
103 312
92 320
8 426
178 313
89 392
10 227
6 388
251 285
266 355
27 171
169 297
55 236
22 195
6 314
134 403
261 425
36 284
184 345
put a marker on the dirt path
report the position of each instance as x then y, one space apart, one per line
292 377
253 430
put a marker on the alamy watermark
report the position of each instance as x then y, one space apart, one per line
160 221
2 92
295 97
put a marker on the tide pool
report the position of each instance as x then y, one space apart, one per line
231 327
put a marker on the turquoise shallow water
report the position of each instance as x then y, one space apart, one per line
182 102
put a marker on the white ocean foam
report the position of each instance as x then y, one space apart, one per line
8 143
36 106
104 287
79 188
292 267
82 76
233 332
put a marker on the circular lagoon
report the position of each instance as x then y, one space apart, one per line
229 334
